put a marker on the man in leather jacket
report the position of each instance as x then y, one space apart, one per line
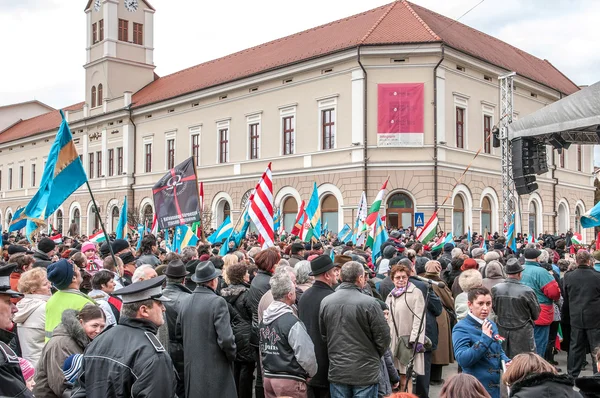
12 383
516 308
128 360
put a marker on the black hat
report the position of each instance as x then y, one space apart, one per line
448 247
104 249
12 249
297 248
127 258
119 244
150 289
46 245
513 266
320 265
5 271
205 271
395 234
191 265
531 254
176 269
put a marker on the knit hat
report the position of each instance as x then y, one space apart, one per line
448 247
119 245
26 368
469 263
60 274
72 366
46 245
88 246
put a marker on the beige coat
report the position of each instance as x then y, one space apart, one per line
406 323
444 354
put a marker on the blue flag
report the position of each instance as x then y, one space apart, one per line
63 175
236 236
17 222
379 237
222 232
592 217
140 230
511 239
184 236
313 210
277 220
122 225
345 234
332 255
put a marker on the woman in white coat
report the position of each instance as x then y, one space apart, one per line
31 313
406 305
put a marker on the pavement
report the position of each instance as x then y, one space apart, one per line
561 358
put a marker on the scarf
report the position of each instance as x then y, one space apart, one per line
399 291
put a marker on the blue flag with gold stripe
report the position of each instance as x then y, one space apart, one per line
62 176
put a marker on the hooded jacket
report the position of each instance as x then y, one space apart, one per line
68 338
30 319
286 349
101 298
544 385
241 321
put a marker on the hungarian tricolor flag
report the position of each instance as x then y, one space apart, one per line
98 237
297 228
57 238
374 210
429 230
576 239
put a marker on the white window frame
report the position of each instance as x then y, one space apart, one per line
149 139
196 130
223 124
32 163
461 101
254 118
287 111
22 175
170 135
488 110
324 104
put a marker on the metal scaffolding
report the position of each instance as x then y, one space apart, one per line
506 116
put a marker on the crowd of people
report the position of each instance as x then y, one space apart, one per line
318 319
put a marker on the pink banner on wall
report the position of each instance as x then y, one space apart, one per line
400 108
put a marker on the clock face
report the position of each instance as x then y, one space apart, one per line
131 5
96 5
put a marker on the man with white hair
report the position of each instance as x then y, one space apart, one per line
143 273
477 255
267 298
286 350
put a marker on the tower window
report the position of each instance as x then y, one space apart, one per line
99 94
93 96
101 29
94 33
138 33
123 30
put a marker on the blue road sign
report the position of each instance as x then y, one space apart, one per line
419 219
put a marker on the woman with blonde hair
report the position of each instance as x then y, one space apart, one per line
530 376
463 385
228 260
467 280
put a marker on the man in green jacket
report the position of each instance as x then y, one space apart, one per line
65 276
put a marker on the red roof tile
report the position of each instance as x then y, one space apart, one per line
35 125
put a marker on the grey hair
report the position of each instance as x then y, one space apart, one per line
130 310
456 252
281 284
351 271
543 257
283 263
239 255
470 279
188 253
302 269
140 272
253 252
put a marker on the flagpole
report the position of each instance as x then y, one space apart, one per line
112 253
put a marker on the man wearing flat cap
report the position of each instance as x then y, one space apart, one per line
297 253
517 309
177 293
12 382
324 271
45 252
546 290
128 360
204 329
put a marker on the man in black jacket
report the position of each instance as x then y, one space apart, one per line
43 255
582 308
363 339
177 293
308 311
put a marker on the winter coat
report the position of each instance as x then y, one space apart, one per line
385 287
68 338
363 339
493 276
126 360
31 319
589 387
308 312
101 298
295 259
434 309
404 320
516 309
148 259
41 259
241 321
444 353
544 385
479 355
12 383
388 374
258 287
204 329
546 290
461 308
286 350
581 307
60 301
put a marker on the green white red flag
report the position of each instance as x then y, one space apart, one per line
374 210
98 237
576 239
429 230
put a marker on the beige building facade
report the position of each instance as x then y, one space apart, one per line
314 115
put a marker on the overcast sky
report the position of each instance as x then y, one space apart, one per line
42 42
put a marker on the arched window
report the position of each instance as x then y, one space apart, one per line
93 96
578 219
533 212
99 94
77 218
289 212
329 214
458 223
563 218
114 218
59 221
486 215
148 215
9 218
399 211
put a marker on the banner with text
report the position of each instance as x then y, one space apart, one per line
400 108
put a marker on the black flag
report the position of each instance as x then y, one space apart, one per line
176 196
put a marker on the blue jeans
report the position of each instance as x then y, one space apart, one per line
348 391
540 334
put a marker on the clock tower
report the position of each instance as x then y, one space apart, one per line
119 50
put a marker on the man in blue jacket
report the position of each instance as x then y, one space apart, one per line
477 344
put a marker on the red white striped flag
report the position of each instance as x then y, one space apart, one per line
154 230
260 208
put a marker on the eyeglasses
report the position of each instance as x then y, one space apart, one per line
400 278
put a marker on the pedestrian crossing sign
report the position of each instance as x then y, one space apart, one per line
419 219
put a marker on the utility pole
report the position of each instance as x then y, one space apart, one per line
506 116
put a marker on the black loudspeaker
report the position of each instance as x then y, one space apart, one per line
541 165
525 153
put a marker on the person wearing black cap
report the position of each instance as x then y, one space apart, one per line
204 329
546 290
323 269
177 293
128 267
129 357
297 254
120 246
12 383
44 253
516 308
